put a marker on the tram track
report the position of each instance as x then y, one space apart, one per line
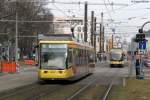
107 92
85 91
92 87
15 91
27 92
79 91
43 93
40 92
110 87
36 91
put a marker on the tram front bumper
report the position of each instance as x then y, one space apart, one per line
54 74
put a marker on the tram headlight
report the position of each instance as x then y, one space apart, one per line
60 72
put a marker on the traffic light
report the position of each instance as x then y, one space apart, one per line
72 30
140 30
140 37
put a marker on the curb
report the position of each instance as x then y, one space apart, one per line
1 74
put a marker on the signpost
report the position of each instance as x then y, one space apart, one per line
140 38
142 45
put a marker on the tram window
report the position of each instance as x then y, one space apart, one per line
86 56
80 56
46 57
91 57
75 55
69 57
83 56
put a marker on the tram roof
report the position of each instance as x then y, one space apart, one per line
61 37
57 37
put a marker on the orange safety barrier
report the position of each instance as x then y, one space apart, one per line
30 62
0 66
9 66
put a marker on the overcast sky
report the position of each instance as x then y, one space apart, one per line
131 17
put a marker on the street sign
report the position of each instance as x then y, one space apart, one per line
142 44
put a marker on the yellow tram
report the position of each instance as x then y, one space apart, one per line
63 58
116 57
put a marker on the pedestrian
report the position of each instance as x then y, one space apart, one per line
105 58
137 64
18 67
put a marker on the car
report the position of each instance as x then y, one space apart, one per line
147 61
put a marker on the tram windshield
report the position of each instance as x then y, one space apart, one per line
53 56
116 56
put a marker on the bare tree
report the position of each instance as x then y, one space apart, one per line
27 11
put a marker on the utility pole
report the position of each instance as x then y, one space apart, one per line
16 42
94 33
101 35
95 38
37 55
112 41
103 39
16 35
85 21
92 28
100 38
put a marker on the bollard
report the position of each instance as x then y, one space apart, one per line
124 82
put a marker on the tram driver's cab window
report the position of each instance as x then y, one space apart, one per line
53 56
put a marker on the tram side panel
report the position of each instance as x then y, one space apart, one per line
79 62
91 62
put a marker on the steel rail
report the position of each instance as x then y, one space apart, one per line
43 93
16 92
82 89
107 92
109 87
27 90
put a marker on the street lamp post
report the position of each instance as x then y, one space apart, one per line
113 30
16 39
141 29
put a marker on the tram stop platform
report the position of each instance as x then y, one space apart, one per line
27 74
